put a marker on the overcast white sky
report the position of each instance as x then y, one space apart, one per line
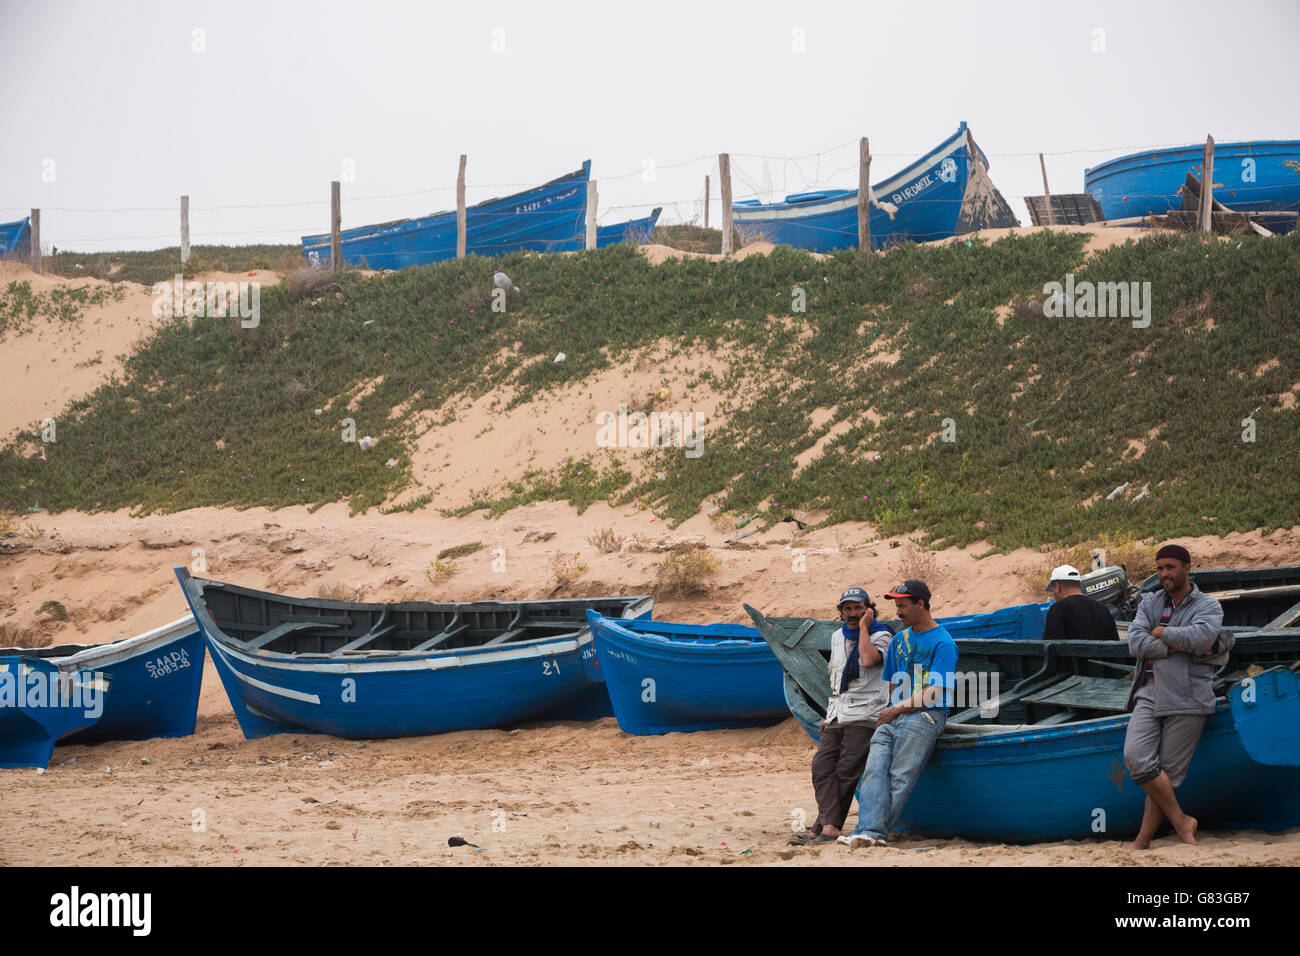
115 103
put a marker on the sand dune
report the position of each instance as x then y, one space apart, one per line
557 793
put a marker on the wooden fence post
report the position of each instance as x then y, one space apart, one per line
336 226
185 231
460 209
724 173
35 227
592 199
1207 186
864 195
1047 193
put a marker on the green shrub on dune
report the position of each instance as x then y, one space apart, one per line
1049 415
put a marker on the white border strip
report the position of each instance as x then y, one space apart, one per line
114 652
440 662
262 685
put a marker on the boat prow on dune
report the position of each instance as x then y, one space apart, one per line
947 192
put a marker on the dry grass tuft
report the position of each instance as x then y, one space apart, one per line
294 390
686 572
440 570
307 283
1137 559
606 540
566 570
916 563
341 592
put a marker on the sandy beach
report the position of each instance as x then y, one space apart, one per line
557 793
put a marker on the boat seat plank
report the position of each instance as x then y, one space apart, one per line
442 638
1125 669
1277 590
1107 694
1002 700
280 630
1286 619
370 636
336 619
1060 717
509 635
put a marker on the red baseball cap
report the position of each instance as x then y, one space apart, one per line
911 588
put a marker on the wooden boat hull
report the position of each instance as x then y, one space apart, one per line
156 678
1248 176
666 678
634 230
394 692
1029 784
945 193
29 728
548 218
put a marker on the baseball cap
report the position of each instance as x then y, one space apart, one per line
911 588
1065 572
855 594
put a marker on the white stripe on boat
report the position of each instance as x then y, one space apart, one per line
286 662
263 685
114 652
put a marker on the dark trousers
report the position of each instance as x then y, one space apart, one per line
836 767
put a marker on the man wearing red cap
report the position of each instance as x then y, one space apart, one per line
1174 631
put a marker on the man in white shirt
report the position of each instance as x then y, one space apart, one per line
858 694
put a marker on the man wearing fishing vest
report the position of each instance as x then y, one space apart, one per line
857 695
1176 628
921 669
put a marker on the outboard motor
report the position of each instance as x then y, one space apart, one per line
1110 586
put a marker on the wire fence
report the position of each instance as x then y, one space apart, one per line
805 173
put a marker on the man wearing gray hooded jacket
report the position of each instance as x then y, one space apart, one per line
1176 628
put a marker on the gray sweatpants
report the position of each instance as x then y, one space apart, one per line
1153 743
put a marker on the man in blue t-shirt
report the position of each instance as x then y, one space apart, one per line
921 670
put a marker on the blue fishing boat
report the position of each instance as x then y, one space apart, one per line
634 230
41 705
15 239
1037 755
395 670
1019 622
945 193
664 677
156 678
1261 176
548 218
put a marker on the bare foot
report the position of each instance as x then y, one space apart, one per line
1188 830
1141 843
831 831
